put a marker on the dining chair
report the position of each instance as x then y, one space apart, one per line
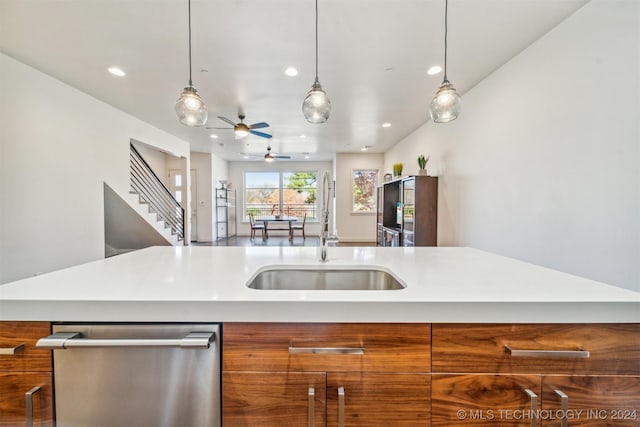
255 226
295 226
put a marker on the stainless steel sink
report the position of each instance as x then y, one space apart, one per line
308 279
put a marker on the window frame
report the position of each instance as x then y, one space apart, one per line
281 189
373 190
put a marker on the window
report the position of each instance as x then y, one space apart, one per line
286 193
364 190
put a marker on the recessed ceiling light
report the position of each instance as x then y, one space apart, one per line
306 156
386 125
213 136
291 71
365 148
435 69
116 71
303 136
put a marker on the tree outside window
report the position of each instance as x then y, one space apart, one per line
364 190
281 193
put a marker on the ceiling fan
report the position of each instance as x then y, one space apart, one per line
242 129
270 157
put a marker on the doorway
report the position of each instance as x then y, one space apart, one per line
178 188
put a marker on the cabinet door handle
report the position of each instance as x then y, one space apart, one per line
28 404
311 415
534 405
326 350
9 351
564 405
580 353
340 406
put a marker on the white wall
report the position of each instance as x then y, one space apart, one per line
57 147
543 163
157 161
354 227
209 170
236 177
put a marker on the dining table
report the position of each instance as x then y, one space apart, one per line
276 218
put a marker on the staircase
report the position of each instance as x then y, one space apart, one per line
154 201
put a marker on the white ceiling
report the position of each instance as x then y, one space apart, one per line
373 58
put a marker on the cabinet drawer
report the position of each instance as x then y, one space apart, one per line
326 347
534 348
17 347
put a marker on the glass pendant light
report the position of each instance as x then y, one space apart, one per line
446 105
190 107
316 106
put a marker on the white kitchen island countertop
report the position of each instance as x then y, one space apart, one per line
443 284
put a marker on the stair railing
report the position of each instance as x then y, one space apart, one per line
152 191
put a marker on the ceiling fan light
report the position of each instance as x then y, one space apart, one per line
268 158
316 106
240 131
446 105
190 108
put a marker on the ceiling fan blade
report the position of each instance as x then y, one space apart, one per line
281 157
259 125
262 134
224 119
211 127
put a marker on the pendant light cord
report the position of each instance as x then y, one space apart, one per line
446 7
316 40
190 83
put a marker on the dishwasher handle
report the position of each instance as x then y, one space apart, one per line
64 340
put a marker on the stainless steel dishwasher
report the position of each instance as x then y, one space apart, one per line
136 374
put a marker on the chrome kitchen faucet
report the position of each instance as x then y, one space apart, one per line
324 232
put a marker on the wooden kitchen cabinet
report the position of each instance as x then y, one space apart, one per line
25 375
367 399
536 375
375 374
274 398
593 400
483 399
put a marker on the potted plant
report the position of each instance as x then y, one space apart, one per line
422 164
397 169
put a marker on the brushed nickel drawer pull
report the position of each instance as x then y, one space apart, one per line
534 405
311 414
10 351
341 406
28 405
326 350
580 353
564 405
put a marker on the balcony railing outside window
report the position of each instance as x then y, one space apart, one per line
270 193
298 210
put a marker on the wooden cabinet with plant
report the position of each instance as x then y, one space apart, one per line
536 375
325 374
26 391
408 208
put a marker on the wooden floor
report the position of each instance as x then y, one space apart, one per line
278 241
